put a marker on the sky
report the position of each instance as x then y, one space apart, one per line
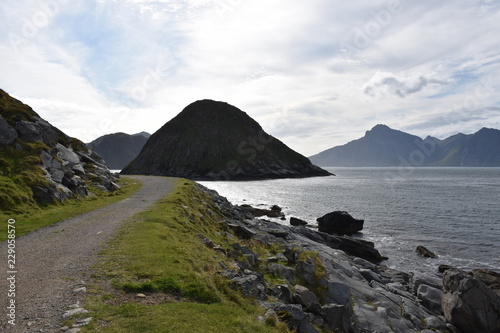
315 74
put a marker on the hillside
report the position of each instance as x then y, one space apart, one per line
39 164
385 147
119 149
216 141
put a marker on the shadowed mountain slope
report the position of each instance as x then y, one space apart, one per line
216 141
119 149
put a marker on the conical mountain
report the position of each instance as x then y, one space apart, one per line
212 140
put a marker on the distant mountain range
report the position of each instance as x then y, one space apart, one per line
119 149
382 146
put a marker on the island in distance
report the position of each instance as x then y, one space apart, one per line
385 147
212 140
119 149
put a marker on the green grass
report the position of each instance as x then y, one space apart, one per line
161 254
33 218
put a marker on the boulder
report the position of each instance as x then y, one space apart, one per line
297 222
425 252
274 211
250 286
469 304
294 316
336 317
7 133
340 223
29 131
490 278
430 298
304 296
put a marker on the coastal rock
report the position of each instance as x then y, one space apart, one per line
336 317
250 285
490 278
425 252
355 247
340 223
212 140
297 222
431 298
469 304
274 211
304 296
353 294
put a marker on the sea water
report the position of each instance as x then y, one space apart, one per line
454 212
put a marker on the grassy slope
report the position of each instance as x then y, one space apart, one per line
161 255
32 218
19 168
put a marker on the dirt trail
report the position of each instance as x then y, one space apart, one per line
54 261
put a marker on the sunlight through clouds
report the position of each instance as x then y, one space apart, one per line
336 68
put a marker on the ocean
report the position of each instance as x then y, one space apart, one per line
454 212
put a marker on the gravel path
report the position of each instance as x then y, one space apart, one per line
53 263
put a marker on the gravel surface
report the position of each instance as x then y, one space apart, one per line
53 263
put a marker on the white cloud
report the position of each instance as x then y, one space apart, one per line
315 74
385 83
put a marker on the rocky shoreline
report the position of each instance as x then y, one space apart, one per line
319 282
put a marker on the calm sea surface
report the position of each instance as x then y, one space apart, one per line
454 212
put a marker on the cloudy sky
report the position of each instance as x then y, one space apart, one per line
315 73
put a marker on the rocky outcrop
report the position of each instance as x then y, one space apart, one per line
212 140
425 252
297 222
274 211
469 304
42 164
322 282
340 223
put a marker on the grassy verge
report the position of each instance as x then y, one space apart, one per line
36 218
158 276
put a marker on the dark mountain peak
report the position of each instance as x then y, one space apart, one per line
118 149
487 131
215 140
385 133
430 138
144 134
383 146
380 128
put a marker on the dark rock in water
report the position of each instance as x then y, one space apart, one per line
444 268
469 304
297 222
274 211
340 223
212 140
425 252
